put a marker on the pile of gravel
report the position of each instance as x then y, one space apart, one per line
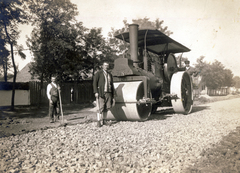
170 143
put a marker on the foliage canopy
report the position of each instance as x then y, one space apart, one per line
215 75
61 45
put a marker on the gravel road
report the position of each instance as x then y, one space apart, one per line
165 143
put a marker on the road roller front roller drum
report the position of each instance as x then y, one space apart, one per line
127 106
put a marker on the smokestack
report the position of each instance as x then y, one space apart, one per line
133 34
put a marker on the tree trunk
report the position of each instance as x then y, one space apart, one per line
14 77
14 66
4 65
5 72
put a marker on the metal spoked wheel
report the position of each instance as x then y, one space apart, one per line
181 86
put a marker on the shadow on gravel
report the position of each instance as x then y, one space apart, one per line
161 114
23 112
199 108
166 113
35 112
223 157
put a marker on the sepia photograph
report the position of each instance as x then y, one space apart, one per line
119 86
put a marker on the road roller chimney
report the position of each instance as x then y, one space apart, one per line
133 34
125 66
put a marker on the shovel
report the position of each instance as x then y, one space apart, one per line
63 122
99 116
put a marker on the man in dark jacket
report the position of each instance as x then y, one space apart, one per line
104 91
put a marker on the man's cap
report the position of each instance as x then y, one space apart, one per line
187 62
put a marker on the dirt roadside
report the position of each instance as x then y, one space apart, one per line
28 119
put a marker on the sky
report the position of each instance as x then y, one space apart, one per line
210 28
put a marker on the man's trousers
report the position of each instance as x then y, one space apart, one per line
53 107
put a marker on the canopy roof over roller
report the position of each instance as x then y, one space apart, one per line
156 42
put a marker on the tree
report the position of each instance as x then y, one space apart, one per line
144 23
122 47
61 45
228 78
4 61
157 24
11 15
214 75
236 80
57 40
98 50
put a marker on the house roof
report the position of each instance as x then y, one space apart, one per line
24 75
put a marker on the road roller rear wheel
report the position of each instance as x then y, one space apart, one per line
181 85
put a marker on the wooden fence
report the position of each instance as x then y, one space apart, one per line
218 92
76 93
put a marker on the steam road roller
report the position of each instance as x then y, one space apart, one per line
140 91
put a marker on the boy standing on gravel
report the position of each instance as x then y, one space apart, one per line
53 97
104 92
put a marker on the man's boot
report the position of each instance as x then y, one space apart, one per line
107 123
104 117
99 124
99 120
